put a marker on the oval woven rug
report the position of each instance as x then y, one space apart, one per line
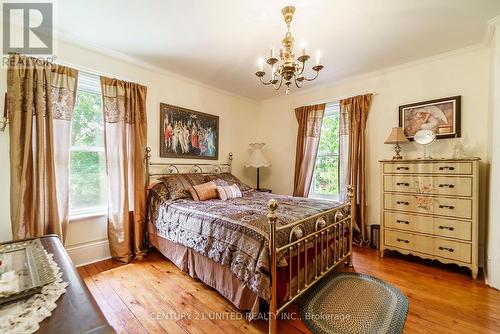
353 303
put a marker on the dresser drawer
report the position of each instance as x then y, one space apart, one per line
437 167
435 185
409 241
447 228
443 206
453 250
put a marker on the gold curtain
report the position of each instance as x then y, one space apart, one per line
310 119
41 99
353 116
125 133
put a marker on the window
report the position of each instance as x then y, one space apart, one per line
88 184
325 183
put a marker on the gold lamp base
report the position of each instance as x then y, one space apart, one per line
397 149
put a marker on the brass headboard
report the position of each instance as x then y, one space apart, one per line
157 169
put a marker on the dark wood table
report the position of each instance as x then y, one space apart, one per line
76 311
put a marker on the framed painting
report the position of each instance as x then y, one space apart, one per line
188 134
441 116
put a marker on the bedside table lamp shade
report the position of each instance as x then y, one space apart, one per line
257 159
397 136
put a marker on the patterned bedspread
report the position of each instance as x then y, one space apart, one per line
233 233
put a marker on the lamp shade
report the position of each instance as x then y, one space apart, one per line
257 158
397 136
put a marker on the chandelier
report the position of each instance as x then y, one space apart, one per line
287 68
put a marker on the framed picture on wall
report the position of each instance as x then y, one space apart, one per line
188 134
441 116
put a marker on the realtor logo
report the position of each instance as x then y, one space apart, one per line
27 28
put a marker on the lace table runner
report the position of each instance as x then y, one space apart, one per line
25 316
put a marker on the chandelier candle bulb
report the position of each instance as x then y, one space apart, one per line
318 55
303 51
261 64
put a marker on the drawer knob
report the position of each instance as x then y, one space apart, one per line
403 184
441 227
402 222
451 207
403 202
451 250
403 240
402 168
444 185
447 168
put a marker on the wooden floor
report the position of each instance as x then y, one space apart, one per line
154 296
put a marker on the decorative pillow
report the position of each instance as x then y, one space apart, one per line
161 190
229 178
229 192
204 191
178 184
221 182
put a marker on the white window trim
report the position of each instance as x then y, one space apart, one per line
331 109
89 83
90 212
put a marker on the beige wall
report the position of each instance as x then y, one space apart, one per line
87 239
464 72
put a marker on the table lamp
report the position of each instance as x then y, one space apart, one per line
257 159
397 136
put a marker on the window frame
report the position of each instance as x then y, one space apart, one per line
89 83
332 108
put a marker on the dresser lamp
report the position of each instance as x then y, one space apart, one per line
397 136
257 159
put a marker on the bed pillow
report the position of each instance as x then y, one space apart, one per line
229 179
178 184
229 192
204 191
160 189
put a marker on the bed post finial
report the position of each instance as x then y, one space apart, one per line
350 193
230 161
147 159
272 205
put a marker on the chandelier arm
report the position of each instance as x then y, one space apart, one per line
303 67
311 79
296 83
279 86
266 83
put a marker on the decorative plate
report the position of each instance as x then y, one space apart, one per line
424 137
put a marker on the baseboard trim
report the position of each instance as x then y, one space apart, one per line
89 252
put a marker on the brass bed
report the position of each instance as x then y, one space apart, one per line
331 235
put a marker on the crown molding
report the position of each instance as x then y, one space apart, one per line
70 40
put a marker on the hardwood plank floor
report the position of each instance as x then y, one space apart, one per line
154 296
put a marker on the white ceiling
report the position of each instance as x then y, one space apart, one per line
218 42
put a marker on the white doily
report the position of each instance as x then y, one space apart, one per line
25 316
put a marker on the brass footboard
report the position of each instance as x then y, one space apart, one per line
333 239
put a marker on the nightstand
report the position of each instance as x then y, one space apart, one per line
264 190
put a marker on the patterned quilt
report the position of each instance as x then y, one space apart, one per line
233 233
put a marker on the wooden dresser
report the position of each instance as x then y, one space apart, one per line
76 311
429 208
